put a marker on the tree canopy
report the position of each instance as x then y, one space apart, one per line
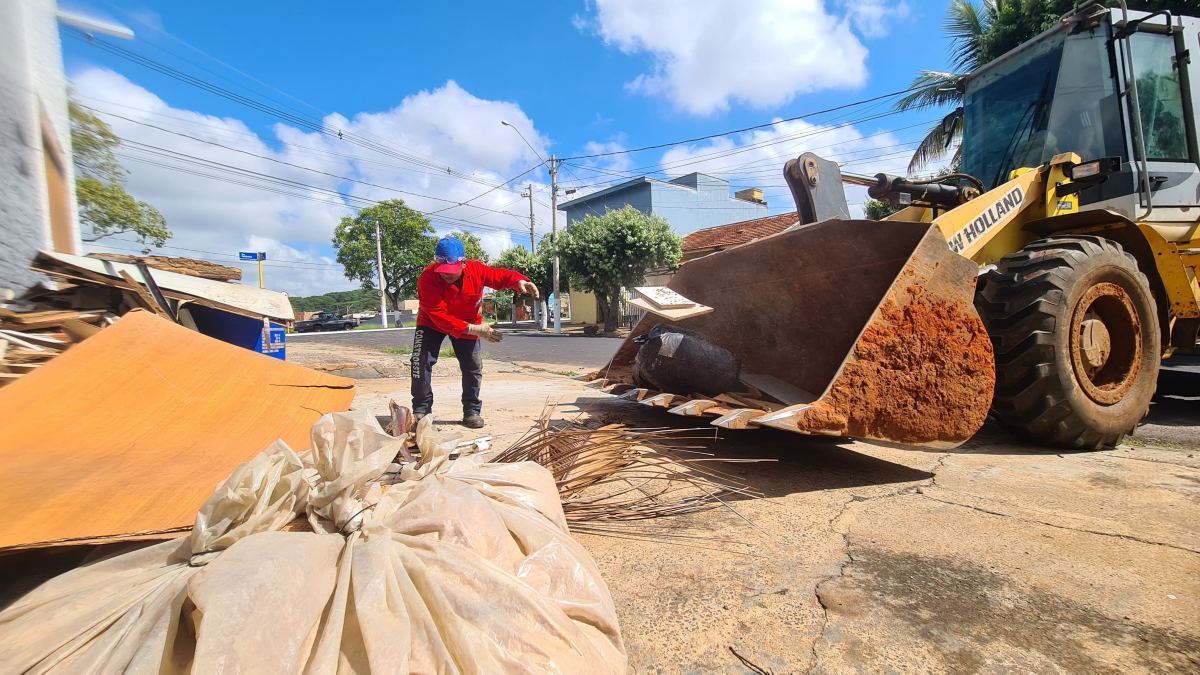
407 243
605 253
104 205
539 267
340 302
471 243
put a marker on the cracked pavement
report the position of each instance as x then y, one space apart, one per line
997 556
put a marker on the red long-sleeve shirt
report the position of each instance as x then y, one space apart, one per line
450 308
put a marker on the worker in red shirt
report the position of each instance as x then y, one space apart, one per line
450 293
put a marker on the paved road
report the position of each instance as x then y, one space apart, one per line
574 351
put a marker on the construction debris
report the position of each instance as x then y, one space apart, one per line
462 565
122 436
189 266
248 301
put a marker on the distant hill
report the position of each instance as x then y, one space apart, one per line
340 302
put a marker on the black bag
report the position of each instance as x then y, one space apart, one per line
679 361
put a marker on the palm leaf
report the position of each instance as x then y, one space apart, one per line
932 89
966 28
933 147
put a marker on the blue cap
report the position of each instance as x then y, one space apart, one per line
450 254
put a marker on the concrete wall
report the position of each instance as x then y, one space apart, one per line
688 203
33 102
637 196
710 205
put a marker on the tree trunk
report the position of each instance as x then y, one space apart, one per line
609 305
394 299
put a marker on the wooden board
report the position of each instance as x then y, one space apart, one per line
125 435
673 314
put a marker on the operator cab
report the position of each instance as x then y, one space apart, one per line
1066 91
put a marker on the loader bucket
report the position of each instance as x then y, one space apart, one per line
843 327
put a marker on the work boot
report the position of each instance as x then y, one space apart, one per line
473 421
417 418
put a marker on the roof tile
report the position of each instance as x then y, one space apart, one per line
742 232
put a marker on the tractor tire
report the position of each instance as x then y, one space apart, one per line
1076 336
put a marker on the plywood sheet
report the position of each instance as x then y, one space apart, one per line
126 434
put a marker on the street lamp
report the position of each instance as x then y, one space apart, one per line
514 128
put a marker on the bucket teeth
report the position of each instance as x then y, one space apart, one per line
739 418
635 394
659 401
693 408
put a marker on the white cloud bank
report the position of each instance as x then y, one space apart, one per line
709 54
449 127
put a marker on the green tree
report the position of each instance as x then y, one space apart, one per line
980 33
471 243
406 239
605 253
105 208
874 209
539 267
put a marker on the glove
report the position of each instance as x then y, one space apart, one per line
485 331
528 288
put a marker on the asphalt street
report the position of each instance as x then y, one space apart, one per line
543 348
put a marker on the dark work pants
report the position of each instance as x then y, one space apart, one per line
427 342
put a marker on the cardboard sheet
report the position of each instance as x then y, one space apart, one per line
126 434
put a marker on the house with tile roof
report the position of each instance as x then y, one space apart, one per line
713 239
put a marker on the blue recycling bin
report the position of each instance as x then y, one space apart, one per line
258 335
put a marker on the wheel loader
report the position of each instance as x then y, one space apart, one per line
1042 282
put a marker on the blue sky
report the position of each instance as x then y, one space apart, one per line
425 85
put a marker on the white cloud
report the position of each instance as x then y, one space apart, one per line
707 54
440 129
874 18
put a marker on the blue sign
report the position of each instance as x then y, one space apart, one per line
250 255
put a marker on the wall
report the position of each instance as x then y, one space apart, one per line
33 102
637 196
688 203
583 307
690 209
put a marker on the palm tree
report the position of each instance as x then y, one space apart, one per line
967 25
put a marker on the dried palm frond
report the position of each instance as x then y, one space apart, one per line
613 474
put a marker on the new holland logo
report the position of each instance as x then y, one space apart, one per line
995 214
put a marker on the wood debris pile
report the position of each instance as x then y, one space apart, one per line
189 266
32 333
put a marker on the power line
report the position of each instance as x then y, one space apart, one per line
283 162
744 129
286 182
265 108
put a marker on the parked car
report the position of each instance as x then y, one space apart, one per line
325 321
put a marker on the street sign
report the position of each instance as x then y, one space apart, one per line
251 255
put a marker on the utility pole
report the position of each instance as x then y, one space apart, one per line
529 193
379 269
537 302
554 240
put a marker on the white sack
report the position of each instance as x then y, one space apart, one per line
461 567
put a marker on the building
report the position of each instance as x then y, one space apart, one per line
713 239
37 181
692 202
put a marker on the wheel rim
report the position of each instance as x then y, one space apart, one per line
1106 343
